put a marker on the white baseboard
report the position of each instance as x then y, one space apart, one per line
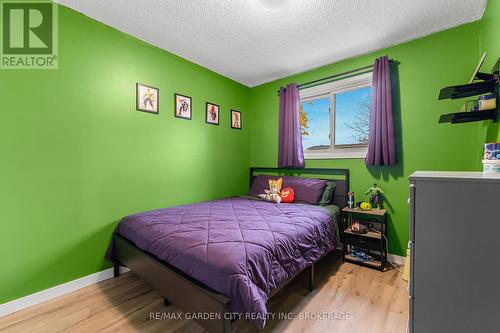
395 259
62 289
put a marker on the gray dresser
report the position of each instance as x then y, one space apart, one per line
455 252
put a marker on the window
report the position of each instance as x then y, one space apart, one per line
335 118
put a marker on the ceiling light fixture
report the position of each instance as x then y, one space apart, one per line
273 5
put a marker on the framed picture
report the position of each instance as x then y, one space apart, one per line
235 119
183 106
212 113
147 98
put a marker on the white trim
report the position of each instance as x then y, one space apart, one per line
330 90
344 153
395 259
51 293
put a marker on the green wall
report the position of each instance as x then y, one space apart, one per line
426 65
76 156
490 42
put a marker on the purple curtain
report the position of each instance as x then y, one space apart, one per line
381 141
290 152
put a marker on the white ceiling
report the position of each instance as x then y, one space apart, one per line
257 41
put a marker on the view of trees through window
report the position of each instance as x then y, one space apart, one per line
315 123
351 112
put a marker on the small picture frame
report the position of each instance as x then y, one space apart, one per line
147 98
235 119
212 113
183 106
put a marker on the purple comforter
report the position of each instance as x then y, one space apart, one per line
240 247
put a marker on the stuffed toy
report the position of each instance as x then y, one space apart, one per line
273 194
365 206
359 228
287 195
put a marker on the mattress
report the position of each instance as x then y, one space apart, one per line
240 247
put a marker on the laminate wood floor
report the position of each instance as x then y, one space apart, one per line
347 298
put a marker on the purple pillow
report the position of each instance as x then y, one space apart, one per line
260 183
309 190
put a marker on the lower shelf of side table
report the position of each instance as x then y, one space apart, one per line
377 264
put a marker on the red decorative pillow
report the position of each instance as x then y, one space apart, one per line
287 195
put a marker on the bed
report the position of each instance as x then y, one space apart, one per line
225 258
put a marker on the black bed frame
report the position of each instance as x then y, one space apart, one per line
187 293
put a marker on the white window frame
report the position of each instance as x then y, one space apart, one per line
330 90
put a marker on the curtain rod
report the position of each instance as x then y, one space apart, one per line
331 77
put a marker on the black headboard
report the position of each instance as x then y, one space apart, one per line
340 176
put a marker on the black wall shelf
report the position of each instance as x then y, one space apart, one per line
467 117
468 90
489 85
